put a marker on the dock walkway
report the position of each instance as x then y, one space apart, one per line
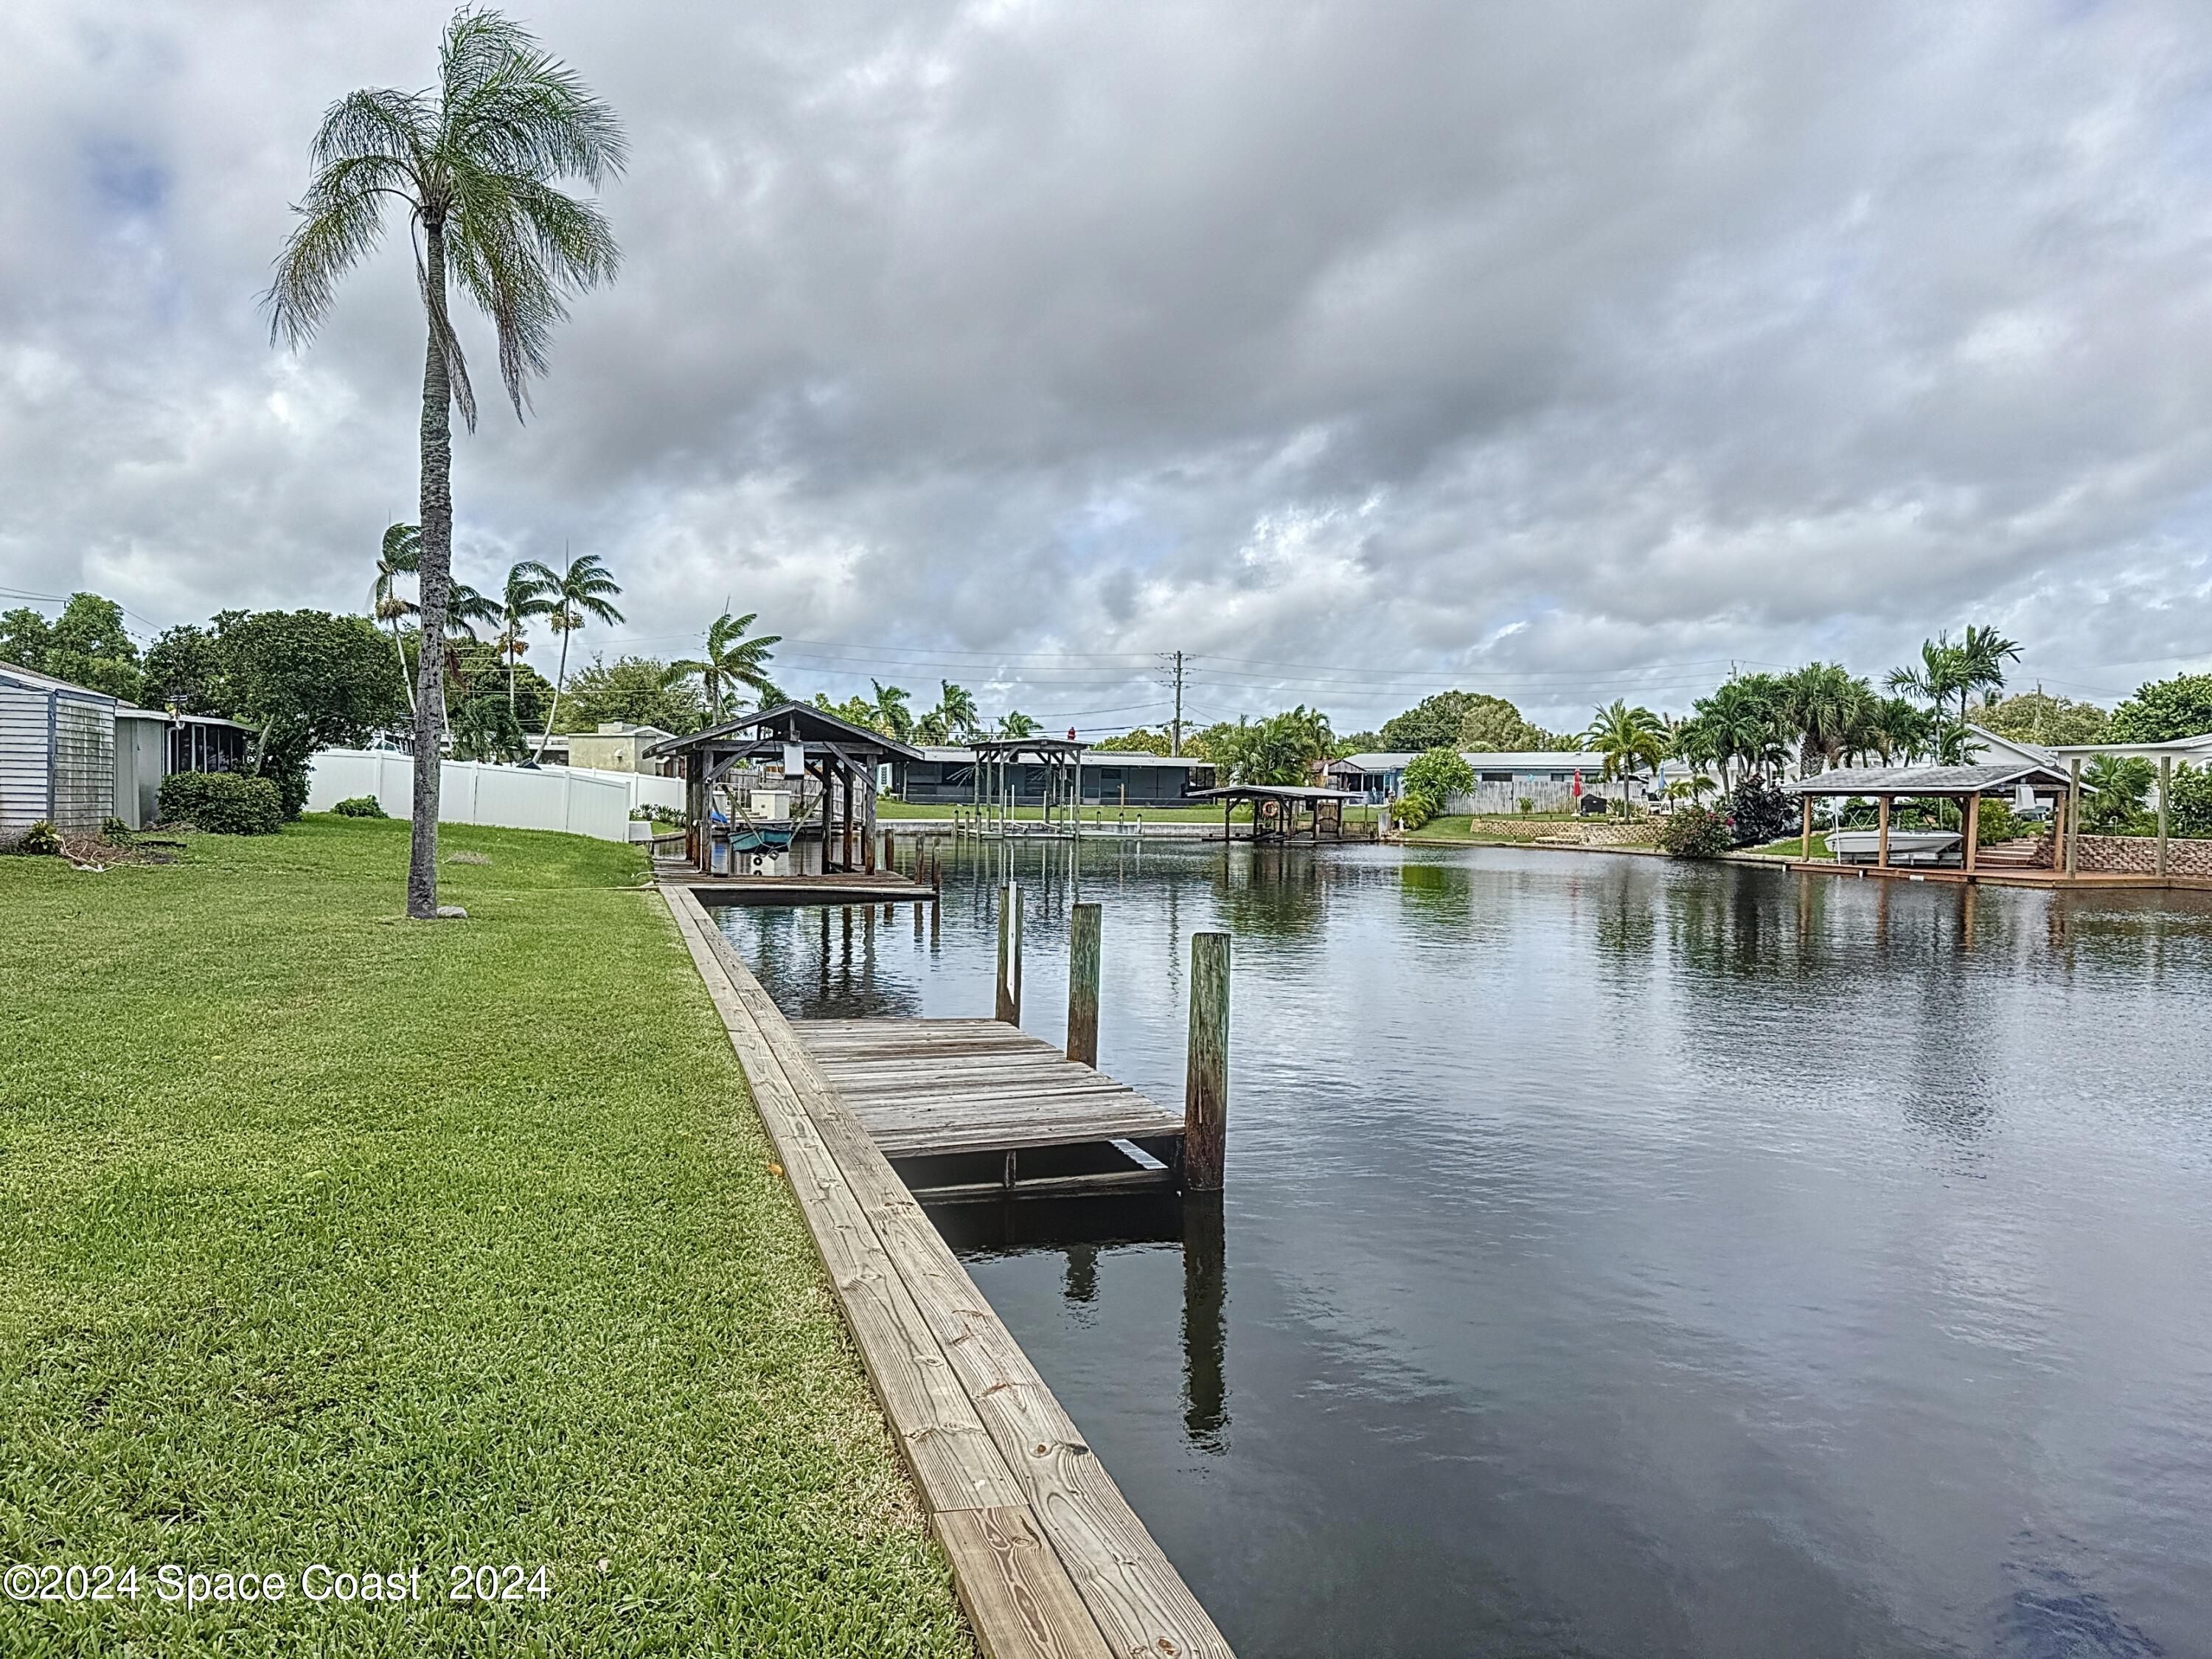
943 1090
1047 1555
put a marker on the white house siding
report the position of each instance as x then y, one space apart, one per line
22 760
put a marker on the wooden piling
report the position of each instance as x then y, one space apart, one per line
2074 816
1083 934
1206 1077
1010 954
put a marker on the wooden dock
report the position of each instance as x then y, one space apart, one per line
1046 1554
934 1092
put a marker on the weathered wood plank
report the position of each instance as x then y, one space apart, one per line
1020 1599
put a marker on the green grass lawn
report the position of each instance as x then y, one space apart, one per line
1789 845
331 1238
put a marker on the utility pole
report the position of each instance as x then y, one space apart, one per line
1175 727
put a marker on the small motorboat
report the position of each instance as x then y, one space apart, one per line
753 835
1906 846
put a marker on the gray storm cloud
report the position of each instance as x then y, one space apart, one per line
1360 349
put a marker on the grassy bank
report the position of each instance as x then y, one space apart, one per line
329 1237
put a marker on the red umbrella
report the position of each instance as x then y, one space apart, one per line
1577 791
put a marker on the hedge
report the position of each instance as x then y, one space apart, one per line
223 803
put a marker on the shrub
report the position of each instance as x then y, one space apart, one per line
1694 832
41 837
1997 822
1414 809
1437 775
222 803
115 832
361 806
1760 812
1527 805
2189 803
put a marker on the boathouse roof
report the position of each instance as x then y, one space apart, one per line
792 722
1927 779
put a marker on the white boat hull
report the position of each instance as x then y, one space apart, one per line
1906 846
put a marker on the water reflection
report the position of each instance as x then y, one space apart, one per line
1080 1233
1628 1257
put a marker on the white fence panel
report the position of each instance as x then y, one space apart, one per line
595 804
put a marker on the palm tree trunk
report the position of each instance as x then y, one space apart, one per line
560 674
435 578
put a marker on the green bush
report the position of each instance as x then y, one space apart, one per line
361 806
1414 809
1437 775
1695 832
115 832
2189 803
41 837
222 803
1998 822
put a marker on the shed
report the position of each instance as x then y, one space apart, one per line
56 755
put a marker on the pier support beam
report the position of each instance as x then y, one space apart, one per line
1010 954
1206 1078
2165 783
1083 922
2074 816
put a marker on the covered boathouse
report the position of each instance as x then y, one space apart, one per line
820 773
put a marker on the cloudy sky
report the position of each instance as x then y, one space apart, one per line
1356 349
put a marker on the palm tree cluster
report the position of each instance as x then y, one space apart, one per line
1821 716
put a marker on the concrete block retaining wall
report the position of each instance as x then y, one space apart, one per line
2137 856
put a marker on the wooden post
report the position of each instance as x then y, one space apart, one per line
1973 820
2164 781
1083 932
1010 954
1882 846
1205 1076
2074 816
1805 833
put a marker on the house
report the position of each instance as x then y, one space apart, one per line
1503 780
945 776
75 757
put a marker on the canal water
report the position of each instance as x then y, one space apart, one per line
1625 1257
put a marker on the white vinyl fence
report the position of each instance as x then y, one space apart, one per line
572 799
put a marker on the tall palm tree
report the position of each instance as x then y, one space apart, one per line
957 708
731 660
527 595
1015 724
401 555
583 593
1942 673
1629 738
473 161
892 717
1982 657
